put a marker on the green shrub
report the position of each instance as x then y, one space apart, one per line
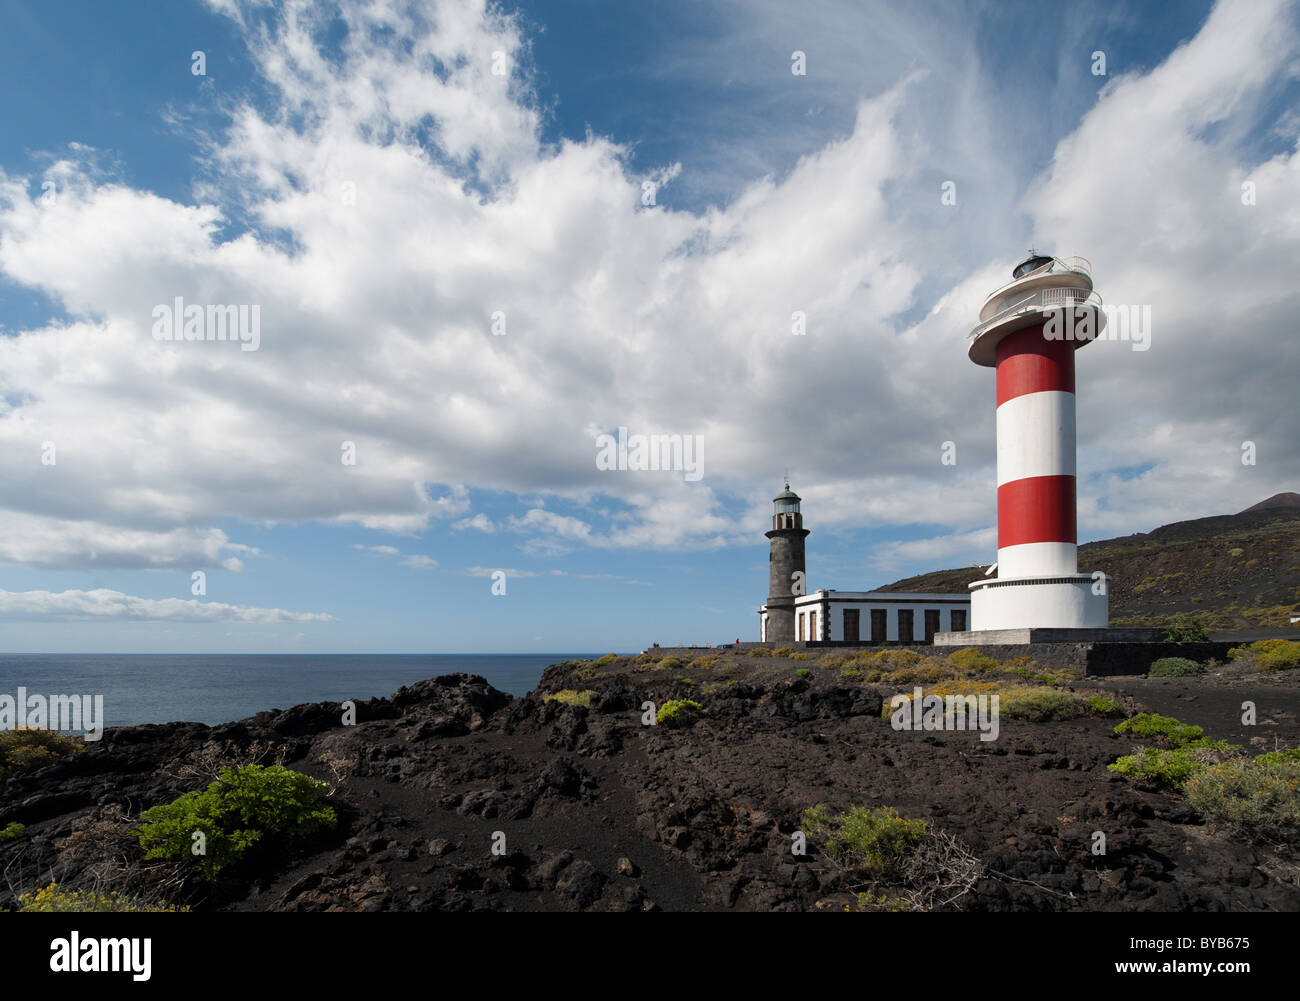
1103 706
1168 731
51 900
1174 667
1249 798
803 672
1168 767
853 674
969 660
609 658
241 808
1268 656
677 712
24 749
12 832
875 841
784 651
1185 629
572 697
671 663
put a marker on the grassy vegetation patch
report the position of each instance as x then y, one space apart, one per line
1104 706
1032 703
572 697
971 661
25 750
53 899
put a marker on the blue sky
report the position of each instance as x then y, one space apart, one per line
522 192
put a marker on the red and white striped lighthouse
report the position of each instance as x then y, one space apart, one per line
1029 330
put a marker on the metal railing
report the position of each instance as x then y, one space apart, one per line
1043 298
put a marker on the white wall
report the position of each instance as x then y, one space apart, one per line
1063 605
916 603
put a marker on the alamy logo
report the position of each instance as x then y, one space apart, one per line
55 712
639 452
952 712
1123 323
179 322
102 955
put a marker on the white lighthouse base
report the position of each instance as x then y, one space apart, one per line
1063 602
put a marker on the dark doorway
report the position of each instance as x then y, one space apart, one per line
906 629
931 624
879 625
851 625
958 620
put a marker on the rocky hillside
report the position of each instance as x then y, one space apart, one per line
1236 571
594 810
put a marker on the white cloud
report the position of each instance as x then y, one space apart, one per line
480 522
102 603
416 560
376 316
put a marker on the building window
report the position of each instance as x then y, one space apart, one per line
931 624
958 620
906 631
879 625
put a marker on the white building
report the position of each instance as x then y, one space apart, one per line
865 617
849 617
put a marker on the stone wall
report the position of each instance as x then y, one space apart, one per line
1094 659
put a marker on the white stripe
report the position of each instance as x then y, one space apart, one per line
1038 559
1036 436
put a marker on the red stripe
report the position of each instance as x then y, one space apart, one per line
1036 509
1029 363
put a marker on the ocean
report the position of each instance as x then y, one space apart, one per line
206 688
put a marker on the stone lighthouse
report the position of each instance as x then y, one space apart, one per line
787 575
